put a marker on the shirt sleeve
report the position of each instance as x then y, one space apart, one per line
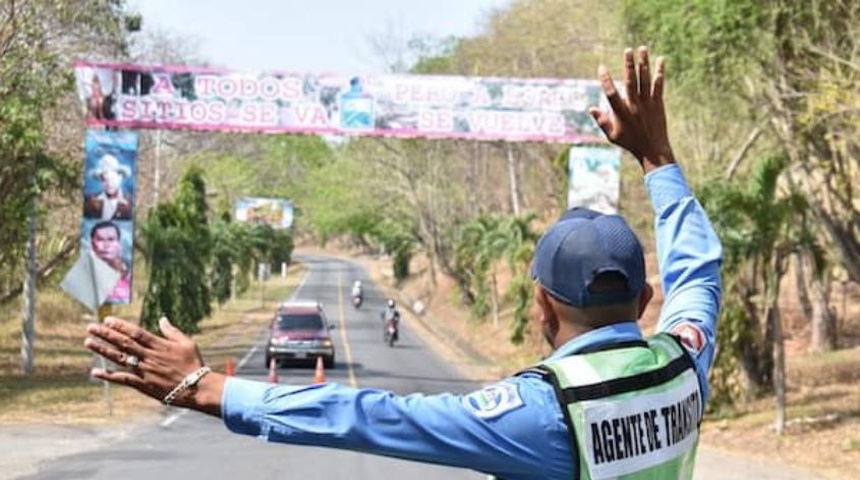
689 255
514 427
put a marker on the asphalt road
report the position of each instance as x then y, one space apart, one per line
191 445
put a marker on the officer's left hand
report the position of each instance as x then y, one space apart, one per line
163 362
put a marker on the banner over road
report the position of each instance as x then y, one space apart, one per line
407 106
275 212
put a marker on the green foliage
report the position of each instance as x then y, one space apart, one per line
475 251
702 39
402 256
481 243
178 250
521 244
282 248
398 242
759 225
223 257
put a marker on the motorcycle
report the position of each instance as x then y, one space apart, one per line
356 301
391 333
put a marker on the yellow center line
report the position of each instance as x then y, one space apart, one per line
343 339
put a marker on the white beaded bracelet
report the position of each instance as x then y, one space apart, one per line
189 381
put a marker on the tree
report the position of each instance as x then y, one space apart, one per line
520 248
223 258
760 225
178 249
481 244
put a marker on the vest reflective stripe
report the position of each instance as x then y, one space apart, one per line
634 411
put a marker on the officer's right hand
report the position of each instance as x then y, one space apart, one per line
637 123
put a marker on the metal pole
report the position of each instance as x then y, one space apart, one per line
28 331
104 312
157 175
515 184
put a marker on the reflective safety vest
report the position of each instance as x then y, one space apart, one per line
633 408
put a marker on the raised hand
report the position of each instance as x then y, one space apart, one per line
637 123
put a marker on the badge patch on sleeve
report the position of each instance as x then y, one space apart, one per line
691 336
493 400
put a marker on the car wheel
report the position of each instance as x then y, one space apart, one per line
269 362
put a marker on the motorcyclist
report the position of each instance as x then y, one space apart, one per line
356 289
391 314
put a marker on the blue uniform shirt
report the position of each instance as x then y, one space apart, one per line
513 429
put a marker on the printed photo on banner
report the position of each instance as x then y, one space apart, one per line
403 106
594 178
109 175
107 227
275 212
356 107
112 242
99 89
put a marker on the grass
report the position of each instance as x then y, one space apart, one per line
60 390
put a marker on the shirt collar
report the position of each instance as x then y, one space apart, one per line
614 333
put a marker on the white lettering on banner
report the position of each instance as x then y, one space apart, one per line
229 87
551 98
642 431
403 106
516 123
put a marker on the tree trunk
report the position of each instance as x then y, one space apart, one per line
472 178
824 332
779 365
800 277
774 322
515 183
750 355
495 298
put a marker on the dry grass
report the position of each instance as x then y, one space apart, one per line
60 390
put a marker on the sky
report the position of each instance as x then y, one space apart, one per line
308 35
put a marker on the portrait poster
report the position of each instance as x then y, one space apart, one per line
107 226
594 178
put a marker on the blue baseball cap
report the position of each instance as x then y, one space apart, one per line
579 247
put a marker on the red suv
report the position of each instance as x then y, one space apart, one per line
300 332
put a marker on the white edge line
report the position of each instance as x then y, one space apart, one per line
169 420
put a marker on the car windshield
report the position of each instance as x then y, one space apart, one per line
300 322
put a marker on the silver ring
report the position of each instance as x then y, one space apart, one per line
132 361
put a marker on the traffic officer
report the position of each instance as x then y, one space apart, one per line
607 403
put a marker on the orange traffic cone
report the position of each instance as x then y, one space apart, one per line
273 371
319 373
230 368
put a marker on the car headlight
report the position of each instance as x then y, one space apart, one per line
325 343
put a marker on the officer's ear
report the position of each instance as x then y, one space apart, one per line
544 312
645 297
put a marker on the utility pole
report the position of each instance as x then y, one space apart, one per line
515 184
28 330
157 175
